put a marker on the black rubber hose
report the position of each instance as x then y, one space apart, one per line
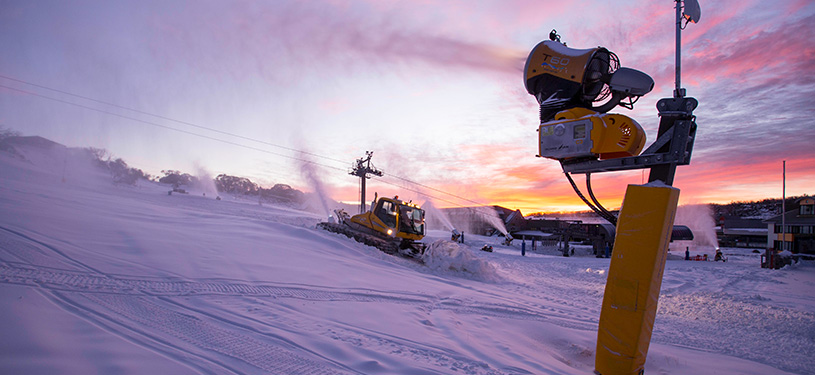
608 215
586 201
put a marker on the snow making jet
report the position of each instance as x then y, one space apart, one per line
455 235
576 88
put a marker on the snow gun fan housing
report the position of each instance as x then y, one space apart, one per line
575 88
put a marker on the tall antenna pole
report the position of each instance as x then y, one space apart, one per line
678 92
362 168
690 11
784 206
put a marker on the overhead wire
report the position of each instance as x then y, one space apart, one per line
169 127
420 193
218 139
434 189
168 118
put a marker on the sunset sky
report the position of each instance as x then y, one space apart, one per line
433 88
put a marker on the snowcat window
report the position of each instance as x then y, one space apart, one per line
412 220
387 213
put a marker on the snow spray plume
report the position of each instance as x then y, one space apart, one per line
699 218
205 181
436 217
312 176
490 216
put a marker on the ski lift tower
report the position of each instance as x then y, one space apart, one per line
362 168
575 89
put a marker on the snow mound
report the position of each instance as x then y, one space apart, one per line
443 255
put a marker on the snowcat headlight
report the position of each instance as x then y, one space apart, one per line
390 232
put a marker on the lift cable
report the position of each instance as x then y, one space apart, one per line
434 189
169 119
214 138
171 128
422 193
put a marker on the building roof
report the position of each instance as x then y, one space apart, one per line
681 233
746 231
533 234
739 223
513 216
792 218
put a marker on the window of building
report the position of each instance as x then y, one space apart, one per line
787 245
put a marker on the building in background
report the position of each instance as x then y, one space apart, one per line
799 235
734 231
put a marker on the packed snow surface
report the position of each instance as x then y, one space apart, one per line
112 279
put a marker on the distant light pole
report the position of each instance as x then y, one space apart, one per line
784 206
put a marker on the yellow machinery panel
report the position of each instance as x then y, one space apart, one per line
634 278
554 58
580 132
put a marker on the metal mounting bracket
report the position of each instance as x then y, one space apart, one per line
674 144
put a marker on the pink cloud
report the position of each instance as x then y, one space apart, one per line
284 41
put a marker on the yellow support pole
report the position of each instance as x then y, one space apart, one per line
634 278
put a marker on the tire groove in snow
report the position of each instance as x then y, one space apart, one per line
54 276
78 281
141 337
445 360
130 311
37 252
741 327
124 301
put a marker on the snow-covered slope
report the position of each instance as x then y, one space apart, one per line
103 278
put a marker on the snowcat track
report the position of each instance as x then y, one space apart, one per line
389 247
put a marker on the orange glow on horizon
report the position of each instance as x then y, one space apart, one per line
701 182
530 189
